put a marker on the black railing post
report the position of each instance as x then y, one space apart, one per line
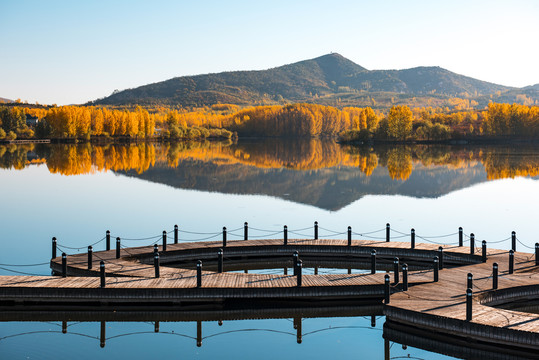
156 264
469 281
224 236
495 276
412 238
176 235
220 261
90 257
164 241
373 261
300 267
441 257
396 270
436 268
469 294
199 273
511 261
536 254
484 251
461 237
117 248
404 277
513 241
155 248
387 289
245 231
53 247
349 236
107 237
285 235
316 230
102 273
295 258
388 229
64 265
472 244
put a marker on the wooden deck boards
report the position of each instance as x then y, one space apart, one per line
430 302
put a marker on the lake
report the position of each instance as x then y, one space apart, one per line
77 192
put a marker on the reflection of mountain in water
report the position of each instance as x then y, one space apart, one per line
316 172
328 188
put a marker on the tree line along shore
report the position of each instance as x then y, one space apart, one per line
497 122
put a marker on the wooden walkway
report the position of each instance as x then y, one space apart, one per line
435 306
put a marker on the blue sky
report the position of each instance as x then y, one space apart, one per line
74 51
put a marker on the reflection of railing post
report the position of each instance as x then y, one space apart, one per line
412 238
297 326
156 327
199 333
373 320
64 327
102 337
373 261
388 229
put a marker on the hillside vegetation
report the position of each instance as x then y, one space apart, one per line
327 80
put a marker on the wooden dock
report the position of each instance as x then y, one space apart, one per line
436 307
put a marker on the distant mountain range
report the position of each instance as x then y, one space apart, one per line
330 79
4 100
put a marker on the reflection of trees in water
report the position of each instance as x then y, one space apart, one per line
306 154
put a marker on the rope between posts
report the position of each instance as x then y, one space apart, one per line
140 239
20 272
262 230
199 233
526 246
307 228
331 235
438 236
399 232
333 231
261 236
434 242
299 234
499 241
22 265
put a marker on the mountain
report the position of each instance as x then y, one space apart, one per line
4 100
322 80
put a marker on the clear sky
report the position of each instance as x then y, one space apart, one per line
67 52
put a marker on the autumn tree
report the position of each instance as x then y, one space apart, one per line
399 121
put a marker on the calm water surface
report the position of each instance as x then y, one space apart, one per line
76 192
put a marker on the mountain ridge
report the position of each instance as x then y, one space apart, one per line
318 80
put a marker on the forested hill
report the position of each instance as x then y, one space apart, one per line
317 80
